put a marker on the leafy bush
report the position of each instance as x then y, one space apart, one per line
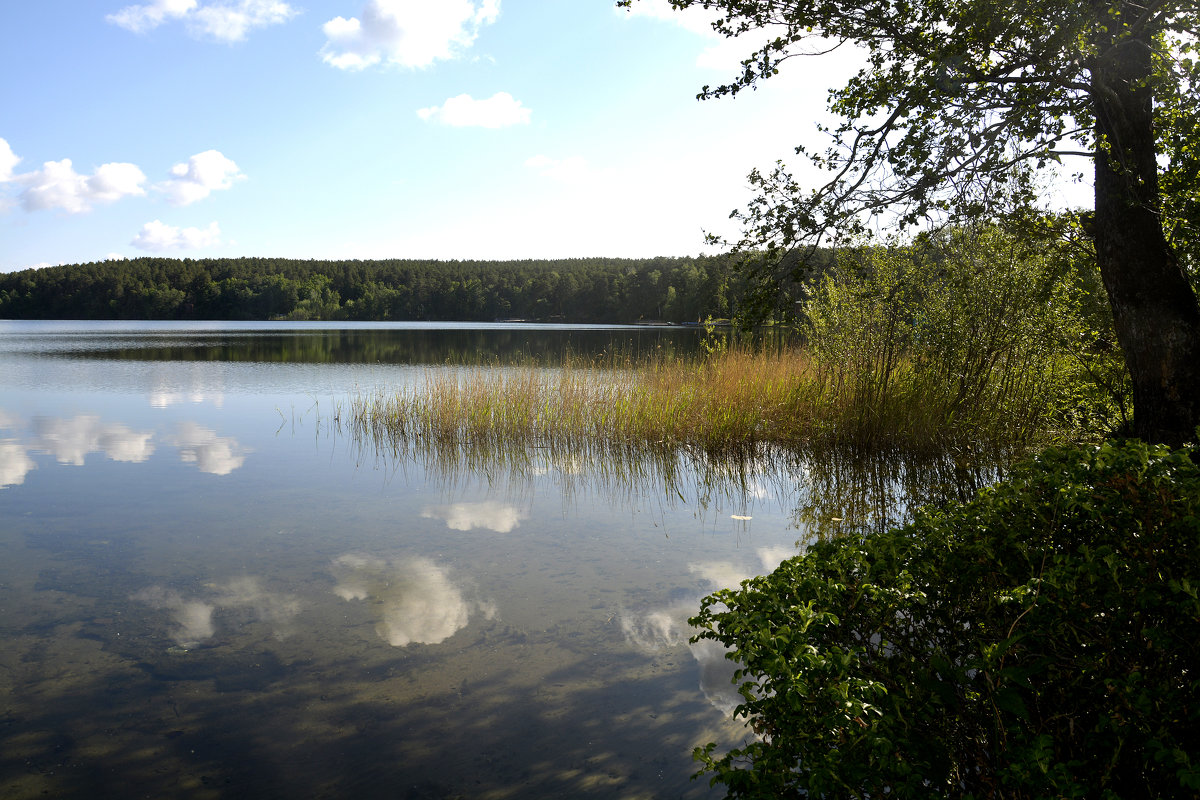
1040 641
972 328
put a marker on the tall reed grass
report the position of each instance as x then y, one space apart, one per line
967 339
734 399
739 397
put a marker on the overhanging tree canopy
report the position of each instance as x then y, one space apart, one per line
956 95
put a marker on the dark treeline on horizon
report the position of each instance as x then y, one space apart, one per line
604 290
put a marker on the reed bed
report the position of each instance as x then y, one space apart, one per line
733 400
713 404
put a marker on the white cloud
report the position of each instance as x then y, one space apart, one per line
498 517
158 237
695 19
722 53
58 185
409 33
223 21
231 22
111 182
203 174
8 161
501 110
140 19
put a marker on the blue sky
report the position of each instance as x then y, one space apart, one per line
376 128
380 129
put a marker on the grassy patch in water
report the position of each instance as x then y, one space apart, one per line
732 399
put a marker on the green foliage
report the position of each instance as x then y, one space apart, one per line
576 290
958 107
950 97
1179 141
1097 380
967 328
1039 641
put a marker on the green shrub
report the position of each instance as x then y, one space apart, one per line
1040 641
963 329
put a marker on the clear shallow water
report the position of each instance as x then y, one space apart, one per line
206 590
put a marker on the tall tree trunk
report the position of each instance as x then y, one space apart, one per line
1155 310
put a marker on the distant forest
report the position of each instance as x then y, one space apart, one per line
606 290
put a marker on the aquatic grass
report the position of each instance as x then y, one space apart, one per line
831 490
736 399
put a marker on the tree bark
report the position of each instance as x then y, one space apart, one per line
1155 311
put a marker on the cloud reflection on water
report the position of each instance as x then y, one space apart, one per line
70 441
178 382
666 628
413 599
166 399
194 616
15 463
494 516
218 455
247 593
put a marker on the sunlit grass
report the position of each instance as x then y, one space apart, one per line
734 399
737 398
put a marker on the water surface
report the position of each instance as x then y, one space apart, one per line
207 591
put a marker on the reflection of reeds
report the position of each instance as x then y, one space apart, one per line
734 400
827 493
712 431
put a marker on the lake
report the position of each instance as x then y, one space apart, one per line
210 589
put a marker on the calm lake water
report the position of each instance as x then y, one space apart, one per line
208 590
